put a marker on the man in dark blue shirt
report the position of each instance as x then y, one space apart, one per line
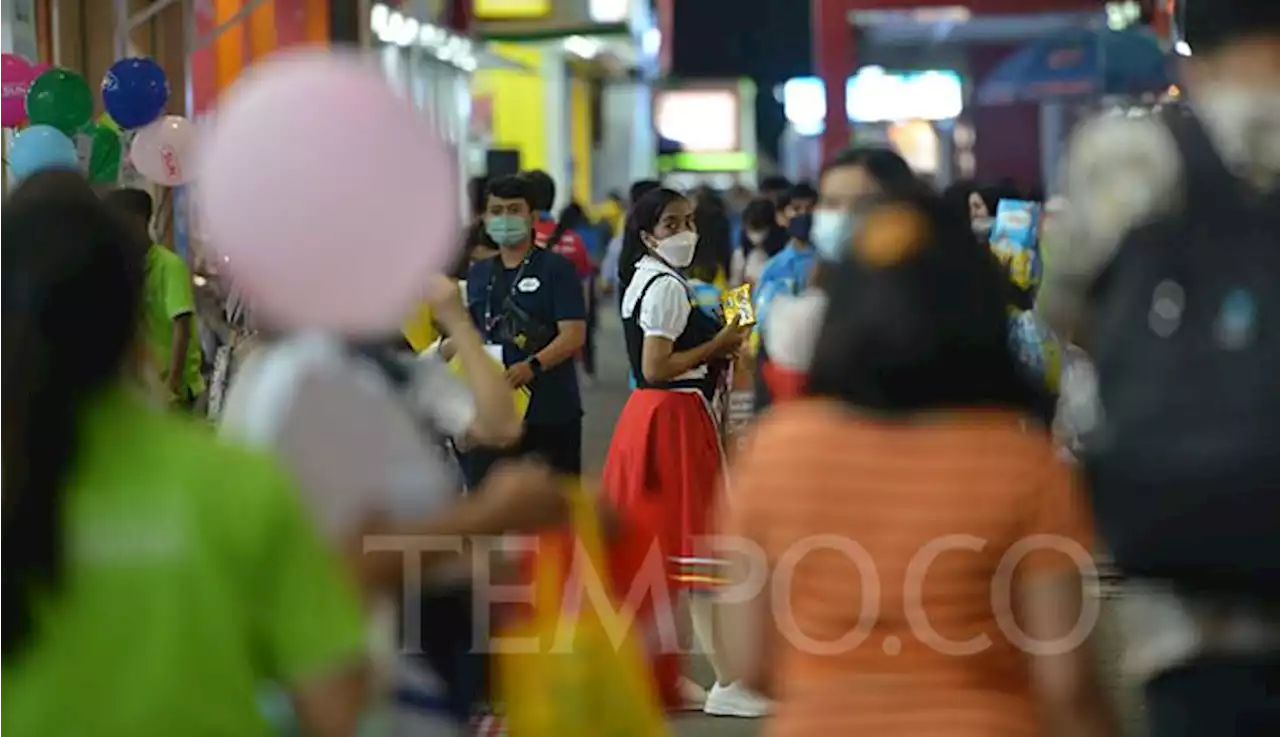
528 301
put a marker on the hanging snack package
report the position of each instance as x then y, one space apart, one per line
737 306
1015 240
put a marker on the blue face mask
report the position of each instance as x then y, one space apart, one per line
506 230
832 233
800 226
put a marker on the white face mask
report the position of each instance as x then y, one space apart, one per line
677 250
832 233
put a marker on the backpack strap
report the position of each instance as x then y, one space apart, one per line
1206 178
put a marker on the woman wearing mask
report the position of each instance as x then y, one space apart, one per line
665 460
760 239
153 575
915 404
853 177
978 204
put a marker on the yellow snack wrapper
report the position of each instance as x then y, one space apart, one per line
737 306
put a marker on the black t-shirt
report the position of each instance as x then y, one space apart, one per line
548 289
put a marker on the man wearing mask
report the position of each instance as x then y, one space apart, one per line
527 303
787 273
1169 281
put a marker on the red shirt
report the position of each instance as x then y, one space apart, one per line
570 246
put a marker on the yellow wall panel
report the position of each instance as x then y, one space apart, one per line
580 139
517 98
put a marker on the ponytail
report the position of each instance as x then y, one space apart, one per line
642 218
66 256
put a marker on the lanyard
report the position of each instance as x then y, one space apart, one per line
493 278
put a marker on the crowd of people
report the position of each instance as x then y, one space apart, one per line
903 542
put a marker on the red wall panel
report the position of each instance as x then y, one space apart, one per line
1007 142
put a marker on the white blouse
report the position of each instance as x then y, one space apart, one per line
666 308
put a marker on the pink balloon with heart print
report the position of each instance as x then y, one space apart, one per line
16 75
164 151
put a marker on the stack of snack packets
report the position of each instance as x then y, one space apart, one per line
1015 240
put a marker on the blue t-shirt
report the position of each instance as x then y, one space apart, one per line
549 290
787 272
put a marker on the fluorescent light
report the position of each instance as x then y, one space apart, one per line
587 48
804 102
876 96
609 11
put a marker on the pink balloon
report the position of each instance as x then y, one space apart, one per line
16 74
330 198
164 151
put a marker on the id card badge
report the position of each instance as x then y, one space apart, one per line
495 351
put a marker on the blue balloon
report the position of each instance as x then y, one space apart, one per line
134 92
39 148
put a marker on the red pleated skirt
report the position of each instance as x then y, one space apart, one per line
663 475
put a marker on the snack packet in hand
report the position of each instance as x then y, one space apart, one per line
737 305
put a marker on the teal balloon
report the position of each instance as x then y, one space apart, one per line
41 148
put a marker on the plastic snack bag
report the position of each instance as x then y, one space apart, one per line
737 305
1015 240
561 670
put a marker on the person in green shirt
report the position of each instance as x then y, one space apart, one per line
155 577
168 304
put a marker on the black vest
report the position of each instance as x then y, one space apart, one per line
700 328
1185 466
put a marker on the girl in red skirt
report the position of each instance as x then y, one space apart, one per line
665 461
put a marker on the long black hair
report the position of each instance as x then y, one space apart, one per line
67 257
761 214
642 218
715 249
928 332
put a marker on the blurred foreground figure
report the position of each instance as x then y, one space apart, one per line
154 577
910 510
1172 282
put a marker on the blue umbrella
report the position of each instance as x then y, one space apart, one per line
1079 63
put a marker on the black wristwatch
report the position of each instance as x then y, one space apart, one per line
535 364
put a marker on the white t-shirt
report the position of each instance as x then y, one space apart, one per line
358 448
791 335
666 308
344 431
747 269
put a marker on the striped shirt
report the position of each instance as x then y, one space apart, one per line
932 506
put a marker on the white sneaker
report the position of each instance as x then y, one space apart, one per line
736 700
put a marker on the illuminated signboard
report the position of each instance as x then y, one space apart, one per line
511 9
700 120
876 96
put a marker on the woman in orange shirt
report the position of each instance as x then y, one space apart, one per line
922 545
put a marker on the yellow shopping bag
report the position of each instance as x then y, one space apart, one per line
519 396
579 681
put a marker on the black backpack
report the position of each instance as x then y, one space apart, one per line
1184 467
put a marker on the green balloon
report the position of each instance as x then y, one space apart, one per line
105 153
60 98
